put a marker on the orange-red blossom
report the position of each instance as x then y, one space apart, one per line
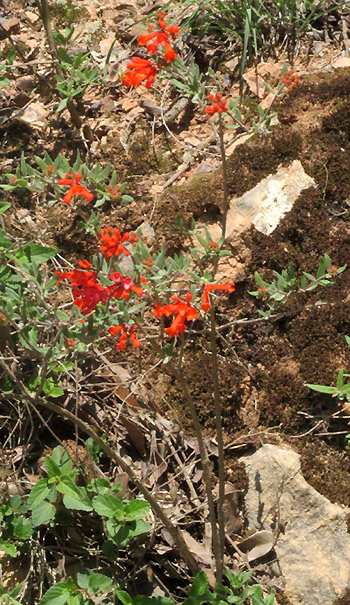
139 70
75 188
88 291
290 78
205 306
125 330
219 104
113 241
160 38
184 312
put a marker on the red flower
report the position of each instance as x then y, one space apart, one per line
125 330
219 105
290 78
75 189
86 290
69 342
148 263
184 311
112 241
49 170
139 70
123 286
333 270
113 191
160 38
205 306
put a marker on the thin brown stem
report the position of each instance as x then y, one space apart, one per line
207 475
219 437
224 176
44 11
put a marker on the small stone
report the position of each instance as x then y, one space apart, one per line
11 26
25 83
34 115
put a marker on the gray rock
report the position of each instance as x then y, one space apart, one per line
312 543
268 202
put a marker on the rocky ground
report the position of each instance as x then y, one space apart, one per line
299 175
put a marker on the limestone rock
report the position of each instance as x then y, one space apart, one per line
312 543
268 202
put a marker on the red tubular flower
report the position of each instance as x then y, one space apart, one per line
160 38
75 188
125 330
184 311
219 105
139 70
86 290
112 241
123 286
205 306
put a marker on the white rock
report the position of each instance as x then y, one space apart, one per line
267 203
313 546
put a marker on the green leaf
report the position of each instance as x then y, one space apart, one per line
108 506
35 253
258 279
320 388
340 379
43 513
98 581
137 509
4 206
22 528
8 548
56 595
75 497
63 104
200 585
124 597
52 468
38 493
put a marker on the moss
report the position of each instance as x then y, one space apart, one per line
66 12
327 470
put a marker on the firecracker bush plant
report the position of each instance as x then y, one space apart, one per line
134 299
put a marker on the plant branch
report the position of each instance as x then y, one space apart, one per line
112 455
219 437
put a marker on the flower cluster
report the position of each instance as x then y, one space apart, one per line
125 330
49 170
88 291
213 246
290 78
148 263
143 70
333 270
219 105
75 187
113 241
184 311
69 343
113 191
154 39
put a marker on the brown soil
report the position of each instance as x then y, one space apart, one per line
264 366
